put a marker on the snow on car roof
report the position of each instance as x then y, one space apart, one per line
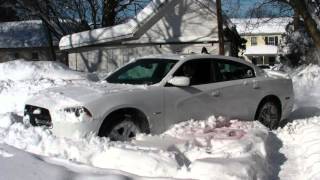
181 57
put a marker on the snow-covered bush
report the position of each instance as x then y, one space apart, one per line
297 47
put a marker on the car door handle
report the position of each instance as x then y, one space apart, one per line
256 85
215 93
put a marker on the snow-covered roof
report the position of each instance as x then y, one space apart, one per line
262 25
261 50
118 32
130 30
22 34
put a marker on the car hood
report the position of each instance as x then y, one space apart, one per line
78 95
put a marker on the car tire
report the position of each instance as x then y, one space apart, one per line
121 128
269 114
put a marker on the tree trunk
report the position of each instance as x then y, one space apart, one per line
50 42
109 16
300 7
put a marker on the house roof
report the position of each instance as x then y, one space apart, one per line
130 30
22 34
261 50
253 26
109 34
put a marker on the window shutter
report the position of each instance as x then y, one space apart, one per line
276 40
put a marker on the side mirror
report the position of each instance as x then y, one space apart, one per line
180 81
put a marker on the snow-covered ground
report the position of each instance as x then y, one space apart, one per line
207 149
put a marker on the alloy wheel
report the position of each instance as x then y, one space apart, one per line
124 131
269 115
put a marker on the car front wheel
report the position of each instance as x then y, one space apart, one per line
269 114
123 128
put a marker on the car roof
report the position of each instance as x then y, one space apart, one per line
185 57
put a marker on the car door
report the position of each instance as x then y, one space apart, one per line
237 89
196 101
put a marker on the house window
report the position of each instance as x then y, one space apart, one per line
253 41
35 56
271 40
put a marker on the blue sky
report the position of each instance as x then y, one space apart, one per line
239 8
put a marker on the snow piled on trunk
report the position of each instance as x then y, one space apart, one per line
207 149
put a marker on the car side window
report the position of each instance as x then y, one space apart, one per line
199 71
144 71
229 70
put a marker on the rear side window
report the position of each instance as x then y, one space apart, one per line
229 70
199 71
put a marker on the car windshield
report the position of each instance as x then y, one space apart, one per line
145 71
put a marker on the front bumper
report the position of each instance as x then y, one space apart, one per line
59 124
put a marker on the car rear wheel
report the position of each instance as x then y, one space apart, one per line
123 128
269 114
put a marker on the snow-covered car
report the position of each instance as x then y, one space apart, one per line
153 93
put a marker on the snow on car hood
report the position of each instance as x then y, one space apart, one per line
78 95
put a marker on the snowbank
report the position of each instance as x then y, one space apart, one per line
174 155
36 70
301 137
20 80
307 85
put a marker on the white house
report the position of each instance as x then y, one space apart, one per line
263 37
163 26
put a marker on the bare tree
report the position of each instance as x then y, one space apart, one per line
117 11
68 16
232 8
308 10
61 16
7 12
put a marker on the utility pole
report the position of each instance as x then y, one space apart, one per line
220 27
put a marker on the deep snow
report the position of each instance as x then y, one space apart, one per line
208 149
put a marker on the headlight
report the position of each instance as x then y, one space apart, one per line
78 111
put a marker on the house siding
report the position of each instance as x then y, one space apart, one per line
25 53
110 58
260 38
